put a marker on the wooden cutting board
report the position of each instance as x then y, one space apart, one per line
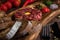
46 19
34 32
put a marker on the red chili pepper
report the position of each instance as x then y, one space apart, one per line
27 2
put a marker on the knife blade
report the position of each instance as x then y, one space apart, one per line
13 30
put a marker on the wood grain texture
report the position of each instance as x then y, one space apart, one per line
34 32
46 20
